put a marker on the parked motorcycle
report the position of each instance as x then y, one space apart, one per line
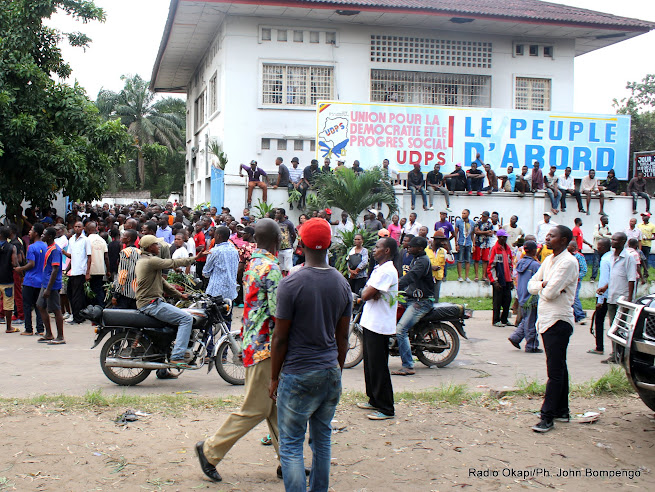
633 333
139 343
434 339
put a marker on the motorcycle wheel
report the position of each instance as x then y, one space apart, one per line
648 397
437 333
355 352
228 364
124 376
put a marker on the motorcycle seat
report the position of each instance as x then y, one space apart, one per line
445 310
130 317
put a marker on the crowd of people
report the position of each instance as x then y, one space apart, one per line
297 307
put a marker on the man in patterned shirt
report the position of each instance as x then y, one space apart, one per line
260 280
124 296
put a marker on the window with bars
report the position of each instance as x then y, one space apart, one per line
426 51
296 85
199 112
532 94
439 89
213 94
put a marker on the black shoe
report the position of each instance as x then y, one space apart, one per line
166 374
279 472
563 418
535 351
543 426
516 344
206 467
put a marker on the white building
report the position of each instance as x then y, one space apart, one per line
253 72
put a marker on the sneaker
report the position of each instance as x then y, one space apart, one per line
543 426
380 416
430 207
17 321
535 351
499 324
460 279
70 321
468 280
563 418
470 192
448 209
480 193
364 405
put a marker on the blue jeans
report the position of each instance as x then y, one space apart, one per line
527 329
578 312
173 316
301 398
412 315
423 194
595 265
464 254
555 197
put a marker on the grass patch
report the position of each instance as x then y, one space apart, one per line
452 394
613 382
486 303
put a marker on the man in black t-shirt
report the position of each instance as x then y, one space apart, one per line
456 181
474 179
415 183
307 180
434 182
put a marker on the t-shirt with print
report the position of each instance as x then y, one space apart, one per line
52 258
379 316
288 232
36 253
483 241
98 250
314 299
464 232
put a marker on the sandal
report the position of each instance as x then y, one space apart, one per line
266 441
403 372
45 340
594 351
13 330
57 342
178 364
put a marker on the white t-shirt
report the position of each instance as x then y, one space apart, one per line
412 228
378 316
79 248
98 247
180 253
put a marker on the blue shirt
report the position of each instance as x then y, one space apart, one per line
221 269
165 233
464 232
511 177
52 258
35 253
604 278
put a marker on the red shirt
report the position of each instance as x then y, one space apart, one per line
577 235
200 241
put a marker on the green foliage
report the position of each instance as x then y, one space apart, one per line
262 209
187 282
202 205
217 150
339 250
315 202
354 193
149 122
294 196
52 137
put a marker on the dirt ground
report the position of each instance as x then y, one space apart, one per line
425 448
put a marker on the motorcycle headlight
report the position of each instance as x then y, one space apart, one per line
226 307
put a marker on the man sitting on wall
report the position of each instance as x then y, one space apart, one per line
254 173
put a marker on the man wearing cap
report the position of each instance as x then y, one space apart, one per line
648 232
150 290
526 268
372 223
415 183
295 177
418 285
308 351
254 173
499 273
438 256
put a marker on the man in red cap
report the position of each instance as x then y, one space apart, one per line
311 340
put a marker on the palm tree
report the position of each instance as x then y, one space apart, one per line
354 193
148 121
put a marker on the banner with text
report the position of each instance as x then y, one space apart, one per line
429 135
645 162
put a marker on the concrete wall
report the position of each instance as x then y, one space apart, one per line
240 121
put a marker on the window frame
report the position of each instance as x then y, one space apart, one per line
309 64
515 92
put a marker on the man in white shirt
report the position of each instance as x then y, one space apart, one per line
344 225
379 323
555 283
543 227
633 232
566 185
79 252
589 186
412 227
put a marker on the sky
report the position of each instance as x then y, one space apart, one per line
128 42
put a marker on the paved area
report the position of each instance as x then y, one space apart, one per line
486 359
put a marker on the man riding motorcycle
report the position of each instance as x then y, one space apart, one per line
418 285
150 294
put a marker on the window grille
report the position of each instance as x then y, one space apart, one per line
439 89
266 143
298 144
213 94
295 85
281 144
426 51
199 111
532 94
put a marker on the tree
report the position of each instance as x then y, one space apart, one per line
148 121
640 106
354 193
51 135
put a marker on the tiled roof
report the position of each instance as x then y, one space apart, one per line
520 10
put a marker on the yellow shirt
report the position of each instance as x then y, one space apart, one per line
438 259
544 253
647 230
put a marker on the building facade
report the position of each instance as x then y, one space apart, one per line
252 73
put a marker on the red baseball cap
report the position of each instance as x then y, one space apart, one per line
316 234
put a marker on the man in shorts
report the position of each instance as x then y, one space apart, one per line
8 260
288 230
50 285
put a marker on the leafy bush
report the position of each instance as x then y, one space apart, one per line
339 250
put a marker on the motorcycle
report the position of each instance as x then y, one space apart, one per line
434 339
139 343
633 334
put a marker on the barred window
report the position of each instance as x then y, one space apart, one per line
213 94
439 89
532 94
427 51
199 111
295 85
